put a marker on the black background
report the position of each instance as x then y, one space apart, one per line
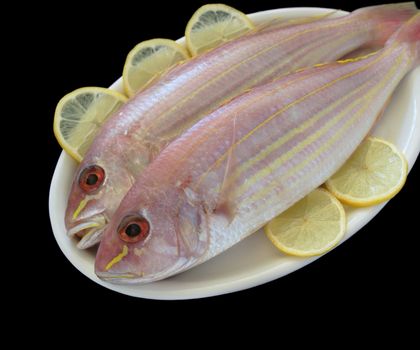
77 45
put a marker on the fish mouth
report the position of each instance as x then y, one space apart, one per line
131 278
89 231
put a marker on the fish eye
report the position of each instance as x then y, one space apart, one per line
91 178
133 229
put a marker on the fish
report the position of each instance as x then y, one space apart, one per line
248 161
136 134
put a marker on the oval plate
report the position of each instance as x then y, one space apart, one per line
229 271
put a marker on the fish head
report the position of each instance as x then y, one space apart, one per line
100 182
154 234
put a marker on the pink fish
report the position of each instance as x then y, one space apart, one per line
137 133
248 161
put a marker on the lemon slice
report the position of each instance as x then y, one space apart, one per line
214 24
374 173
312 226
149 58
80 114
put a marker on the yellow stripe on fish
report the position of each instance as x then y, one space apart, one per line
287 137
366 98
334 45
117 258
188 152
285 108
195 214
248 59
80 207
355 59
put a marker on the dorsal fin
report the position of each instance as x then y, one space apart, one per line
281 22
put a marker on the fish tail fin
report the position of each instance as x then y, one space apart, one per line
409 33
386 19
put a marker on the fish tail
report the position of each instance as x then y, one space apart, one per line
386 19
409 33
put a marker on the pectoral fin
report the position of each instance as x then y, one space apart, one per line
226 204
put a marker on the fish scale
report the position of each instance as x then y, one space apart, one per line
135 135
330 125
252 159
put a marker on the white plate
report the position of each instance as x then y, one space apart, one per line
230 271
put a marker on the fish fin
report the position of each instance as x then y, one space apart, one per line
188 224
379 116
159 75
278 23
192 223
225 203
386 18
409 33
281 22
193 197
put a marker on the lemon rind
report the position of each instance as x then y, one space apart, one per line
69 149
147 43
211 7
378 199
309 253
